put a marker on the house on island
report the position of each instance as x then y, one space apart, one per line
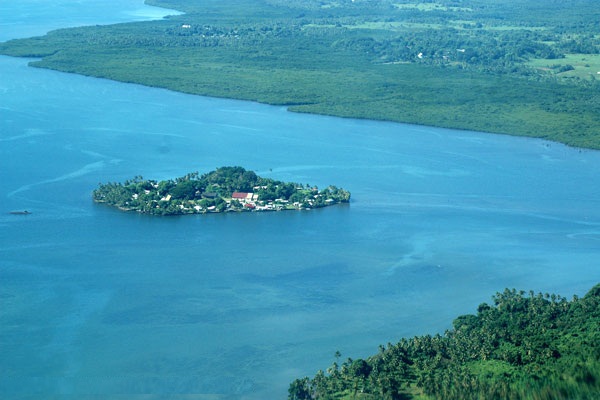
244 197
209 195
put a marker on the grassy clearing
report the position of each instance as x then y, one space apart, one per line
394 25
431 7
505 28
585 66
461 24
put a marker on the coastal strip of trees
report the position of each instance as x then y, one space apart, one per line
514 67
522 346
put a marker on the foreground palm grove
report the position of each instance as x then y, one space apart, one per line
523 346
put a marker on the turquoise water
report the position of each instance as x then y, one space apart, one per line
99 302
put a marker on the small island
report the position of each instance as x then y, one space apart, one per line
226 189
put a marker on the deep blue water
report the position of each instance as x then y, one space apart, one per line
99 302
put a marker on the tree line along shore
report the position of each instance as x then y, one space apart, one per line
522 67
522 346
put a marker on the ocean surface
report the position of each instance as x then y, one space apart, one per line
97 303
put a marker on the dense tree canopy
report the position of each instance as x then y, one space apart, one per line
523 346
521 67
214 192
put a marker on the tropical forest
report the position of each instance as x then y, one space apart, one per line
519 67
522 346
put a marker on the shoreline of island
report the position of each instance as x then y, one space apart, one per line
226 189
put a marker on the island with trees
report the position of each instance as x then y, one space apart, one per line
523 346
222 190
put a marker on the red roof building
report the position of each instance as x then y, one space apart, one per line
239 195
244 197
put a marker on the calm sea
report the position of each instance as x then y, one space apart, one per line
95 302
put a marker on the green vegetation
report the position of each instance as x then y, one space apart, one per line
222 190
485 65
582 66
523 346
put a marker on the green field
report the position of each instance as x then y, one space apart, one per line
585 66
431 7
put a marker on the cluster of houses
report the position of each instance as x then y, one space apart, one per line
250 201
245 200
148 197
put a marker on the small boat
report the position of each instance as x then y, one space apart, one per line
20 212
